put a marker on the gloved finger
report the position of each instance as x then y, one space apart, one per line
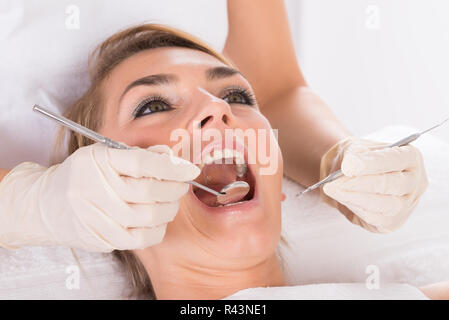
151 162
105 229
368 218
357 145
382 204
380 161
149 190
145 215
147 237
392 183
395 222
153 214
355 219
380 223
160 148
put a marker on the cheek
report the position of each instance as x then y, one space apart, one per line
144 137
138 135
264 150
271 174
271 196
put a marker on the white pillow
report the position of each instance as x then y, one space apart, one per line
44 49
331 291
325 247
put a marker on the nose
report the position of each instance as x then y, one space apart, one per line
212 112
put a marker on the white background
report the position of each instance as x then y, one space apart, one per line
376 63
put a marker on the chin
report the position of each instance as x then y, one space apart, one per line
249 227
257 242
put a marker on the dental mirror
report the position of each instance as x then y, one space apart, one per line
230 193
233 192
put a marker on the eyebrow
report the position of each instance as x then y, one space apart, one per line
214 73
220 73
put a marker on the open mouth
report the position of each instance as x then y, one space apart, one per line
220 169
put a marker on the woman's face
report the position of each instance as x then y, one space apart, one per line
199 91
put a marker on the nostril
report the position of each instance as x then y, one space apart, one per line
225 119
205 120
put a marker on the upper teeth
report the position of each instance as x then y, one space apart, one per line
230 157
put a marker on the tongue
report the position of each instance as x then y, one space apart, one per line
215 176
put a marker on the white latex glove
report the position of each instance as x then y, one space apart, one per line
98 199
380 187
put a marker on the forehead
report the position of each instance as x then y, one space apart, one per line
164 60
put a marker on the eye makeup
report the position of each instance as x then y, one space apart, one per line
155 103
249 97
159 103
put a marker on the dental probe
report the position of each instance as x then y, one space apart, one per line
230 193
337 174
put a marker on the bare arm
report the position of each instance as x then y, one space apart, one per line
437 291
3 173
260 44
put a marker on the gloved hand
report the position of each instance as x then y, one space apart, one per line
380 187
98 199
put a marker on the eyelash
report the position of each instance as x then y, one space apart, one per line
248 96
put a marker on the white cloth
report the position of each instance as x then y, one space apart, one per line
331 291
49 273
44 57
325 247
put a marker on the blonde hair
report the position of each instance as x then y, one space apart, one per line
88 109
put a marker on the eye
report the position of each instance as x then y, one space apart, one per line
239 96
151 105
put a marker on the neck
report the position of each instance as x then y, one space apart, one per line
182 281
